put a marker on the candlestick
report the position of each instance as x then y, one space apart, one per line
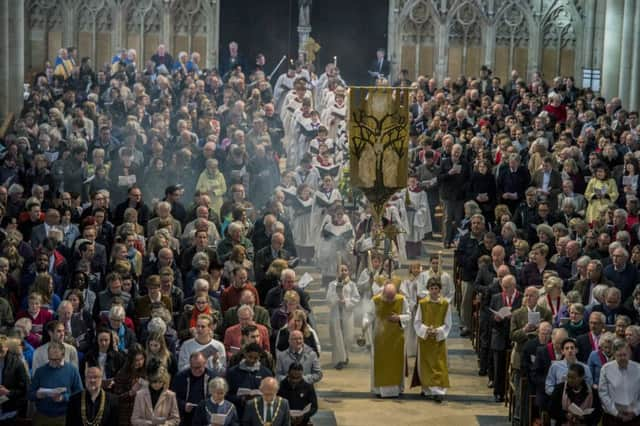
335 61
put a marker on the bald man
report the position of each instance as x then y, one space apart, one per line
386 322
268 409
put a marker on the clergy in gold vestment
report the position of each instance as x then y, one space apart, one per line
432 324
386 322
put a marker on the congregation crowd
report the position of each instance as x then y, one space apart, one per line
153 214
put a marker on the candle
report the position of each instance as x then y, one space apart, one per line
335 61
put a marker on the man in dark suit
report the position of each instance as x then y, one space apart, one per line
548 182
96 401
552 351
40 232
513 180
500 342
529 358
231 59
380 67
268 408
454 176
589 341
162 57
268 254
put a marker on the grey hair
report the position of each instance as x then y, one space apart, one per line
583 261
244 308
218 383
619 344
157 325
199 282
199 259
116 312
606 337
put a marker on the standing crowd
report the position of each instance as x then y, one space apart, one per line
153 215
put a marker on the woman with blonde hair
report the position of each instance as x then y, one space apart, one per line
553 297
156 404
297 321
158 355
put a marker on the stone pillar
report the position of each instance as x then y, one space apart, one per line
598 35
304 26
611 51
5 77
14 54
69 33
588 32
166 30
534 51
624 83
393 37
489 43
213 33
118 25
634 100
441 51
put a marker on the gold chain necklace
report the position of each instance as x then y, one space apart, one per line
83 409
273 417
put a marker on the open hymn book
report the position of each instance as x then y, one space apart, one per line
504 312
577 411
248 392
300 413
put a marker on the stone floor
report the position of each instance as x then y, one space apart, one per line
344 396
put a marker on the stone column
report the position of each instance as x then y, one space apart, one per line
598 35
534 51
14 54
588 32
624 83
69 33
5 78
489 43
611 52
166 30
634 100
441 51
213 33
393 35
118 25
304 25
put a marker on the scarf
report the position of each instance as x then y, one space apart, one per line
121 343
194 315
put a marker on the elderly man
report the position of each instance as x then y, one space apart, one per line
275 296
594 277
163 211
622 273
52 386
453 179
612 307
92 406
235 236
201 222
386 321
298 352
231 295
261 314
511 299
466 255
269 408
619 388
268 254
190 386
56 331
544 356
164 258
525 322
588 342
233 334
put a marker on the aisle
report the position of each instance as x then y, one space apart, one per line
346 392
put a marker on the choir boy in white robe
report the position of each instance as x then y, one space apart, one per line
418 217
301 225
409 288
343 297
336 242
448 287
335 113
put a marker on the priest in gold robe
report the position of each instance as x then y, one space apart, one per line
386 321
432 324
